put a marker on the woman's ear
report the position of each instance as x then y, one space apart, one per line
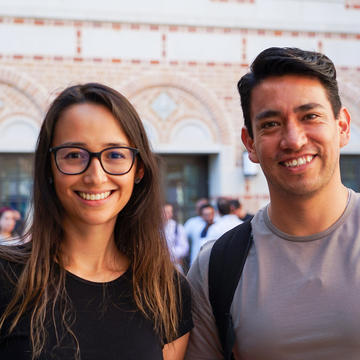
139 173
249 144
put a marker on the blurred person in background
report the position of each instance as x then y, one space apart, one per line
193 227
227 220
207 213
8 219
238 209
176 237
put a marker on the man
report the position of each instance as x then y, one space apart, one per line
298 296
238 209
207 212
227 220
193 226
175 237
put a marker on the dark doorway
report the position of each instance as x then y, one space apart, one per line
350 171
184 180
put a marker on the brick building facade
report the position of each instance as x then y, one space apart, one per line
178 65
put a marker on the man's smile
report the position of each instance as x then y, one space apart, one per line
296 162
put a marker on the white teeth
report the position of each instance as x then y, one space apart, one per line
299 161
87 196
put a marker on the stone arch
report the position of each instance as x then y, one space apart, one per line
26 87
191 129
18 133
219 125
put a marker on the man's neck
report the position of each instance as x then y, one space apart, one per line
303 216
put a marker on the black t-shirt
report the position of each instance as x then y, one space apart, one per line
107 323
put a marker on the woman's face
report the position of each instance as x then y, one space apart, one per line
93 197
7 222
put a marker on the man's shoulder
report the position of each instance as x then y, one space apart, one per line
202 261
193 220
199 269
194 225
205 252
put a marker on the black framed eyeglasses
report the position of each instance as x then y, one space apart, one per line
74 160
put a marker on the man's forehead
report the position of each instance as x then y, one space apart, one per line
207 210
300 93
288 79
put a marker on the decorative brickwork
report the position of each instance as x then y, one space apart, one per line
235 1
19 94
192 99
352 4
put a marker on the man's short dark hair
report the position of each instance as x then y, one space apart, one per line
277 61
223 206
234 203
202 207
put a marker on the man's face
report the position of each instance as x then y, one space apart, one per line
208 214
296 139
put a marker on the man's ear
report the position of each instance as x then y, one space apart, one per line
344 119
249 144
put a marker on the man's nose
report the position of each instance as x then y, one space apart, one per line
293 135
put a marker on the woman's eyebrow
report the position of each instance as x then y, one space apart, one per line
73 143
110 144
115 144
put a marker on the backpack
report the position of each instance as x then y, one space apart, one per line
226 263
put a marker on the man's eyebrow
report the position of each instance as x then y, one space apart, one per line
267 114
307 107
272 113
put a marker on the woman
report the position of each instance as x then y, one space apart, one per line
96 281
8 218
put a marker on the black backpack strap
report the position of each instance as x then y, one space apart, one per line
227 260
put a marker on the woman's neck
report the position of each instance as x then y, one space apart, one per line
90 252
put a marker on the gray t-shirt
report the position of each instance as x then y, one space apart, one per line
298 298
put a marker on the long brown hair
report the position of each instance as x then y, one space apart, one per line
138 231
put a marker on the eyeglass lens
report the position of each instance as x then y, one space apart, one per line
75 160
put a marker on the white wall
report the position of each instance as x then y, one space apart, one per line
311 15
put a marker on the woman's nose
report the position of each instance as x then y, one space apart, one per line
95 173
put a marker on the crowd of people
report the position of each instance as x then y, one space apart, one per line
102 275
212 221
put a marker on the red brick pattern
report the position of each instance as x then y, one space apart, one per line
235 1
24 85
164 29
352 4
